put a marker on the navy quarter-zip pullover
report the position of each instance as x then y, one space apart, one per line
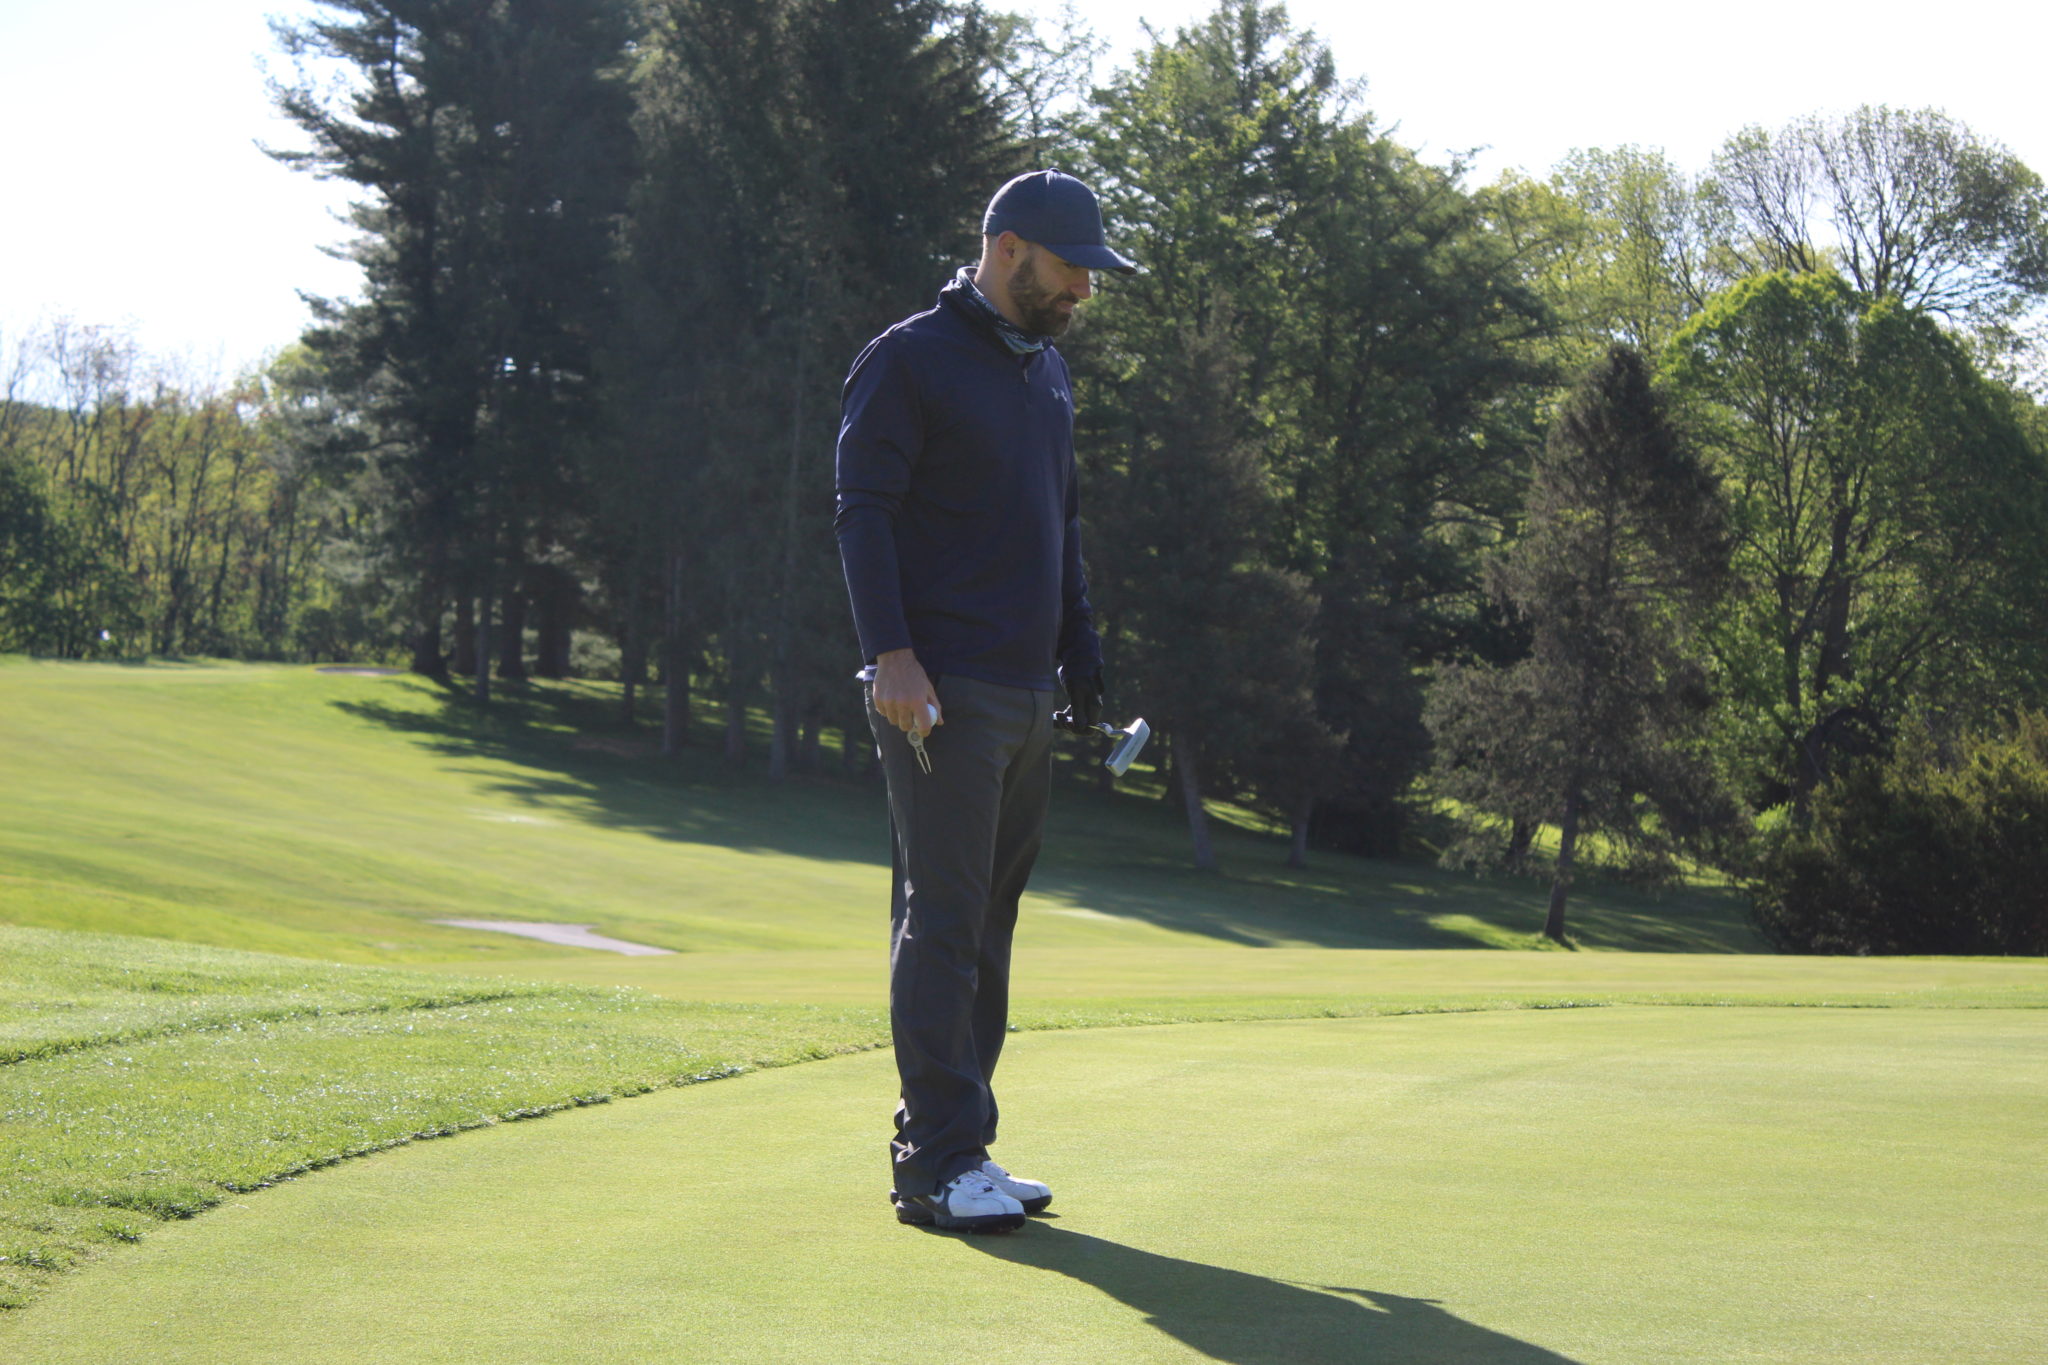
958 516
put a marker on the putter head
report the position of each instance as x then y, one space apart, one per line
1130 741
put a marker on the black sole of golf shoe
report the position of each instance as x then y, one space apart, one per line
920 1213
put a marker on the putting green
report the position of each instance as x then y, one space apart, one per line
1626 1185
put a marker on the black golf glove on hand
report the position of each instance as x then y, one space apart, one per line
1083 711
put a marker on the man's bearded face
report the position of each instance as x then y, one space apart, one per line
1045 305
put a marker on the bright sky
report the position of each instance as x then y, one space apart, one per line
138 197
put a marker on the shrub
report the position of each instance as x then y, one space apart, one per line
1919 853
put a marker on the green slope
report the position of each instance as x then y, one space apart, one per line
284 810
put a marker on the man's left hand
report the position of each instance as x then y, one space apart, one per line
1083 711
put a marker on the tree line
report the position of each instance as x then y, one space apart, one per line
1627 501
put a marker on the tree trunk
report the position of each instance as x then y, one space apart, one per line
1561 882
512 635
675 712
556 600
675 703
812 742
426 642
631 663
1297 851
483 642
1191 798
675 665
1521 834
735 726
781 738
783 741
465 636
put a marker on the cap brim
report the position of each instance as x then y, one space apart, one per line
1095 258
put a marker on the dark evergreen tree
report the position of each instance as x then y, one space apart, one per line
1211 639
1375 385
1599 728
490 142
1935 848
813 170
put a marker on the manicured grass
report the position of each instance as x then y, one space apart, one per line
63 992
1622 1186
149 1080
327 821
153 1079
1229 983
283 810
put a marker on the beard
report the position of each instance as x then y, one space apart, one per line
1038 302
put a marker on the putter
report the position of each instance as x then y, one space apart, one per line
1129 742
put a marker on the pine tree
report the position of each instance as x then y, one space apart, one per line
489 142
812 172
1597 729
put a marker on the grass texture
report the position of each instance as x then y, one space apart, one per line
148 1081
334 817
1623 1186
219 970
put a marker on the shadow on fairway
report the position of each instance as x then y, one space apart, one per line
1247 1319
1117 855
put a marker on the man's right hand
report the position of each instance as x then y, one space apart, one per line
902 692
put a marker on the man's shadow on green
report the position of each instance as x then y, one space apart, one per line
1246 1319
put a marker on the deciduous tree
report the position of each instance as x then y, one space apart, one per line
1887 508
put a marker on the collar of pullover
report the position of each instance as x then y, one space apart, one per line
1016 338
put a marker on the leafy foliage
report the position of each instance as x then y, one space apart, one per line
139 513
1921 852
1908 204
1346 303
827 162
490 145
1887 506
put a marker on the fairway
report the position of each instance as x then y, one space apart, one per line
340 818
1623 1184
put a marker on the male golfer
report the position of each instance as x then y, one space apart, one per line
959 530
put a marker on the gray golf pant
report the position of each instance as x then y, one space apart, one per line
963 838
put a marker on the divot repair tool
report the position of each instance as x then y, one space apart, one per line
931 718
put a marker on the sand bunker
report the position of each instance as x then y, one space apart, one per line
567 935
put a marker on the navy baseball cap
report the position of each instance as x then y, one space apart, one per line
1059 213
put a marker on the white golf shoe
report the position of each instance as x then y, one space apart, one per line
969 1202
1032 1194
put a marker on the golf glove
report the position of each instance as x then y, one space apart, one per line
1083 711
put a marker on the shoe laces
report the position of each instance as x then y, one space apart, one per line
972 1182
993 1171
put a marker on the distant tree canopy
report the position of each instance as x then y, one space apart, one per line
1906 204
1889 513
1367 545
140 513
